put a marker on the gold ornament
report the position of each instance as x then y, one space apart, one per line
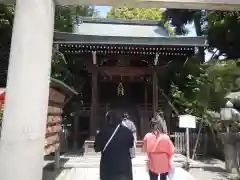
120 89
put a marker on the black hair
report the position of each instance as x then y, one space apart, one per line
125 115
112 119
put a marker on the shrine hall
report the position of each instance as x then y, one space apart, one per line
126 63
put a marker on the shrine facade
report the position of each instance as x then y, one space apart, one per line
125 62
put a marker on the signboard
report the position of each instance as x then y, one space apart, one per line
187 121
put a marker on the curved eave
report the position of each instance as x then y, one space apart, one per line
70 38
62 87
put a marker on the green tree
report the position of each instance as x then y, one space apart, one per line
66 16
198 89
225 25
178 18
6 23
135 13
138 14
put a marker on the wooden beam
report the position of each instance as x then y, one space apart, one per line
133 79
145 70
229 5
226 5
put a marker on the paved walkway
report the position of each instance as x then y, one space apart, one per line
87 168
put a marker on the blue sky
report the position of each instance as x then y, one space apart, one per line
104 9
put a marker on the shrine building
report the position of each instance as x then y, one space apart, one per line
126 63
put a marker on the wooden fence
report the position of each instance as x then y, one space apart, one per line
179 140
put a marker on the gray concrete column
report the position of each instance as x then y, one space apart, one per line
25 112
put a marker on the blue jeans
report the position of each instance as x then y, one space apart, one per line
154 176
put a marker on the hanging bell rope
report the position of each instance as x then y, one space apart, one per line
120 89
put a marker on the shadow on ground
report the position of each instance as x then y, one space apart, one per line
49 172
220 173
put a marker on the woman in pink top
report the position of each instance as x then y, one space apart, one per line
159 150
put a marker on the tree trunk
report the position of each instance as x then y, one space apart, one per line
198 137
169 102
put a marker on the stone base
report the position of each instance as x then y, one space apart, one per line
231 143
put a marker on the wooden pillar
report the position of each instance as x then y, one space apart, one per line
144 113
155 87
94 105
155 93
146 97
25 110
168 116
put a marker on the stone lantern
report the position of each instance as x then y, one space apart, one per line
226 115
231 140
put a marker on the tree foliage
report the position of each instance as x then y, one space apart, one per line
135 13
178 18
138 14
200 89
6 23
214 24
66 16
223 32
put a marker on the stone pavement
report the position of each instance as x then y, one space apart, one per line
72 160
87 168
212 169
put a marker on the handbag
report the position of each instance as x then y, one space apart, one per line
179 173
133 149
171 173
110 139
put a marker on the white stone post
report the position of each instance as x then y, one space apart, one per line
25 113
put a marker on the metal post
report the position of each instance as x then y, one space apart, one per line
188 150
57 158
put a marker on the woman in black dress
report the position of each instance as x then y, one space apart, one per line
115 161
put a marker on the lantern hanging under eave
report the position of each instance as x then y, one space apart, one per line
120 89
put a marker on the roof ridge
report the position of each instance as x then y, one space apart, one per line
120 21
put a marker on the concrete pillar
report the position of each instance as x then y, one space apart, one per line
25 112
